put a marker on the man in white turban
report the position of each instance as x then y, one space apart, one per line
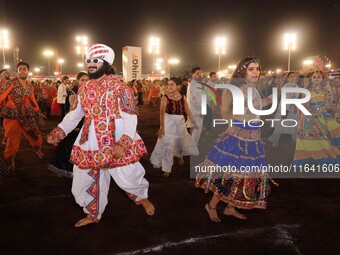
108 144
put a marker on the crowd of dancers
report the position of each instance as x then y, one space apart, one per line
97 137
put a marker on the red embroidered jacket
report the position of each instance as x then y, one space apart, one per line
110 113
19 102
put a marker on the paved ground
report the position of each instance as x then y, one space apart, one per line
38 213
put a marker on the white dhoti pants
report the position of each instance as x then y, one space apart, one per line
196 132
90 187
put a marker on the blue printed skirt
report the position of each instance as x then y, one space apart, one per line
228 170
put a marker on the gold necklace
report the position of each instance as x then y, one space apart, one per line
174 96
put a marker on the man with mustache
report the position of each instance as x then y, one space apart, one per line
108 144
21 113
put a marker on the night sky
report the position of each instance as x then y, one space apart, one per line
187 29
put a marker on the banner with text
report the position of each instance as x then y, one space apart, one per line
132 63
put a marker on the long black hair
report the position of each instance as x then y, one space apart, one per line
240 71
108 69
176 80
81 74
238 78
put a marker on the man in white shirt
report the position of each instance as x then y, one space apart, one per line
208 118
194 98
61 95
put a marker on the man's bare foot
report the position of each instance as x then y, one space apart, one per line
181 161
83 222
166 174
231 211
212 213
148 207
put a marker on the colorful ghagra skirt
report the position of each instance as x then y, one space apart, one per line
318 139
233 170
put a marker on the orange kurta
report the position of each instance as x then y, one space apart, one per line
154 95
20 112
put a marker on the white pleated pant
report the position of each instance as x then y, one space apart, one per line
90 190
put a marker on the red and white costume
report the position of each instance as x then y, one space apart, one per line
110 119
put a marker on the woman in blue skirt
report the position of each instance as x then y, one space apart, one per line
242 183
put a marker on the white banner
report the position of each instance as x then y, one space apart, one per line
132 63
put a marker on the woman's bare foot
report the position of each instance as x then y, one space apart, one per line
231 211
148 207
181 161
212 213
85 221
166 174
